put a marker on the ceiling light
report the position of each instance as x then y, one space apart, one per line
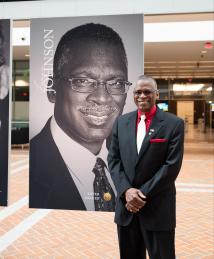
187 87
203 52
21 83
209 89
188 31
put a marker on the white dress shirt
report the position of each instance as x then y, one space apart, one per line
80 163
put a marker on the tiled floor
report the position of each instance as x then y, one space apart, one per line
31 233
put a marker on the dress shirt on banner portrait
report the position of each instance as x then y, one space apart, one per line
81 166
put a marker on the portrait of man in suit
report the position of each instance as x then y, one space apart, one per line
4 109
89 87
144 159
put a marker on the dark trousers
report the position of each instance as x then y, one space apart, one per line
134 240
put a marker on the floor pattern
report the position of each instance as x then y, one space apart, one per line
32 233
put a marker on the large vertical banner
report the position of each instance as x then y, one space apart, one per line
81 75
4 107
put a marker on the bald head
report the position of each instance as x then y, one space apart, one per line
150 80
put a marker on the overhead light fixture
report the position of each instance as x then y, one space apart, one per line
189 31
209 89
203 52
27 55
187 87
21 83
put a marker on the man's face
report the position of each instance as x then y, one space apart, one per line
145 95
89 117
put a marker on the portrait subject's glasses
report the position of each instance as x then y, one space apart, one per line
89 85
145 92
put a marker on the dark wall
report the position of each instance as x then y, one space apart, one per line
199 106
207 114
173 106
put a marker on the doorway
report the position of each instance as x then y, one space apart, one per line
185 110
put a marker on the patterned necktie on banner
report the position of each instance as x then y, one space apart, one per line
141 132
104 197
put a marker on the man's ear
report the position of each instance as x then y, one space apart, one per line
51 92
158 95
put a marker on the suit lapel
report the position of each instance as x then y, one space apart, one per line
54 175
132 135
153 130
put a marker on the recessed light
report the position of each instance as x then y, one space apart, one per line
27 55
209 89
187 87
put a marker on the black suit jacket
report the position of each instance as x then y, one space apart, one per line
51 185
153 171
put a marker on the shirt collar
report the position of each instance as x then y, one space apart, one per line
73 153
149 114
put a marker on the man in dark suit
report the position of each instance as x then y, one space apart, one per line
144 175
88 88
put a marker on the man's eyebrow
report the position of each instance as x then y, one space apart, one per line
112 75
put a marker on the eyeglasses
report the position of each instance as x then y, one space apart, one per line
145 92
89 85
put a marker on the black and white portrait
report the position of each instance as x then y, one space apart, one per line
4 107
82 71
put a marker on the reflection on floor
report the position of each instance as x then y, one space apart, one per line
195 133
31 233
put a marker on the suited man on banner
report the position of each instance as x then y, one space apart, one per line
4 113
89 92
144 160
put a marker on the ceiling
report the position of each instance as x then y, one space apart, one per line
163 59
178 60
